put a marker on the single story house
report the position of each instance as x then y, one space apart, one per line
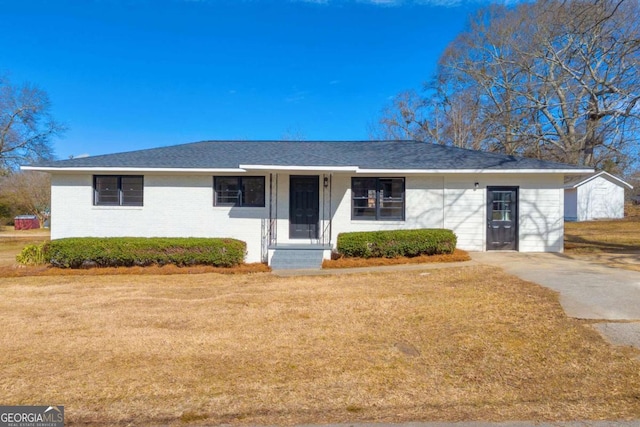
597 195
289 200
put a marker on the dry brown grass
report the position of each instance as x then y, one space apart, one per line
612 242
603 236
10 230
458 256
453 344
154 270
11 246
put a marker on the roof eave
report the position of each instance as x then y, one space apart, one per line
300 168
604 174
130 170
477 171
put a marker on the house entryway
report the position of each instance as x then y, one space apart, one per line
304 206
308 240
502 218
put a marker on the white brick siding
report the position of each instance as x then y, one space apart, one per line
182 205
174 206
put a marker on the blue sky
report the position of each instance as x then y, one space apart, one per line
132 74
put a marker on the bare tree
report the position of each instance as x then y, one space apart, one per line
26 125
459 117
551 79
441 118
28 192
406 118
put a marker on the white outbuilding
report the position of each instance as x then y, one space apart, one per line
594 196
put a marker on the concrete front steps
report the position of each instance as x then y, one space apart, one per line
298 257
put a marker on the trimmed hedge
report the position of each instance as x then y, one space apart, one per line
139 251
396 243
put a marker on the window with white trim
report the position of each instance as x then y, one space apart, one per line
377 199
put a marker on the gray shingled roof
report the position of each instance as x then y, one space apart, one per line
570 181
362 154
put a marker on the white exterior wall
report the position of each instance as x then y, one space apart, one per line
174 206
541 216
180 205
452 202
570 204
598 199
423 195
465 211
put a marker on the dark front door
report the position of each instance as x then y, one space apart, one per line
502 218
303 207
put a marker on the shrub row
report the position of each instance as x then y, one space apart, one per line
138 251
395 243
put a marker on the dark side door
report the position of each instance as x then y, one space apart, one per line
304 196
502 218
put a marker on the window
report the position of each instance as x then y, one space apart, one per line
501 205
245 191
116 190
377 199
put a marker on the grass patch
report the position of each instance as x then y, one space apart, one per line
454 344
457 256
12 246
26 271
616 236
36 232
603 236
615 243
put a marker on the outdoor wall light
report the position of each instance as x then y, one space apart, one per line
326 181
476 185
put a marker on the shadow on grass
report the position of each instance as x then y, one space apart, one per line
576 243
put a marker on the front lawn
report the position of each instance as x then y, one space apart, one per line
466 343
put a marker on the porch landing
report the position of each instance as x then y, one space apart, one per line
294 256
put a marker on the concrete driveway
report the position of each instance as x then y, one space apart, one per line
587 291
